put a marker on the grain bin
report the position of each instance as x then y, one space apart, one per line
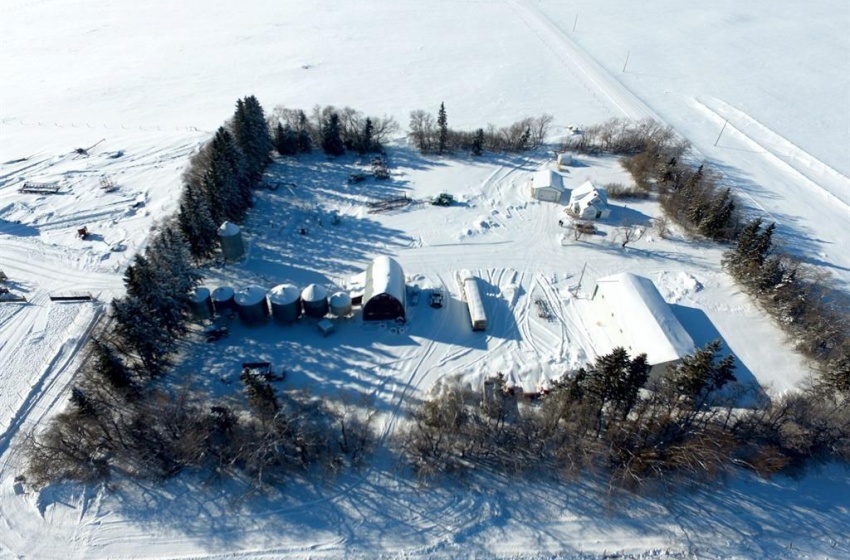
315 301
340 304
285 303
251 304
222 299
201 303
231 241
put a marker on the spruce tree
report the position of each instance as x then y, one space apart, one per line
285 140
478 142
366 143
305 143
81 401
443 130
701 374
252 136
332 143
196 222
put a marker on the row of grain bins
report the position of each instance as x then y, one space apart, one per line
284 303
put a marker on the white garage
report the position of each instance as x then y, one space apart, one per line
546 185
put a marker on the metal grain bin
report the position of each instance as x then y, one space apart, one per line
201 304
231 241
251 304
340 304
314 298
285 301
222 299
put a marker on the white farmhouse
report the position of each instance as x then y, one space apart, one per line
589 202
636 317
546 185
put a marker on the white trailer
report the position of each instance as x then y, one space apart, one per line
469 285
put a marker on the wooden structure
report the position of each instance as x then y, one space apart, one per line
39 188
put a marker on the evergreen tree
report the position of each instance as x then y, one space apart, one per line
109 366
196 222
740 260
478 142
305 143
252 136
616 379
81 401
443 130
715 224
366 143
285 140
332 136
701 374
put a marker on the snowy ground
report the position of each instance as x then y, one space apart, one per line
141 87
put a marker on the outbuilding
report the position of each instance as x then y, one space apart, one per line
384 291
589 202
546 185
635 316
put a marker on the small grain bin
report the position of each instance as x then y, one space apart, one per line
315 301
201 303
340 304
251 304
222 299
285 303
231 241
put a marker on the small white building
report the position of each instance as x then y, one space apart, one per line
589 202
636 317
564 160
546 185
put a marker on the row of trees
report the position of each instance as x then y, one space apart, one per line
610 419
335 131
693 198
433 135
794 294
219 180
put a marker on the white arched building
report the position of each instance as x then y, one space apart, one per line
635 316
384 291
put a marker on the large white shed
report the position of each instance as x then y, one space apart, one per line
636 317
546 185
384 292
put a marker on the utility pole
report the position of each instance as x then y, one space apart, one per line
575 21
627 60
580 278
721 131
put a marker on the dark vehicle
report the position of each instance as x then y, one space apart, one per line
357 177
443 199
435 300
216 333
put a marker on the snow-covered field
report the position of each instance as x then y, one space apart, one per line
140 87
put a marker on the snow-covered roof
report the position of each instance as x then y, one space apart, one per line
385 276
588 190
250 295
644 318
284 294
313 293
547 178
228 228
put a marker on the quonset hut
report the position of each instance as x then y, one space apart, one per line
384 291
231 241
285 301
315 301
636 317
251 304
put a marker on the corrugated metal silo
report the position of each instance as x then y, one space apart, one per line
251 304
285 303
201 305
231 241
222 299
315 301
340 304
